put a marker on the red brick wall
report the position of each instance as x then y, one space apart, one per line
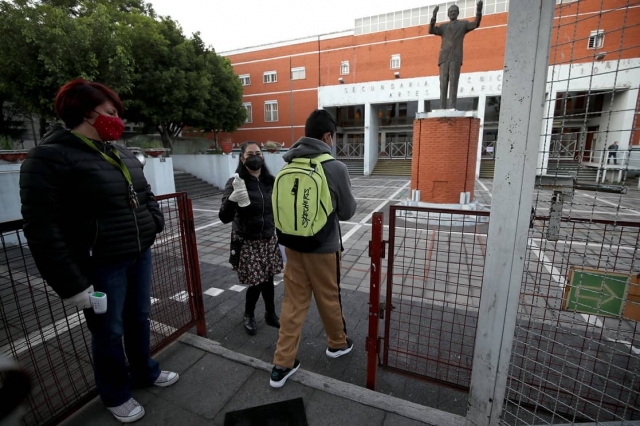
369 56
444 158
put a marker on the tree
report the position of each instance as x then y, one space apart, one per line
166 80
44 46
183 83
226 112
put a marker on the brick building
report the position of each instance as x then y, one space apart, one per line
377 76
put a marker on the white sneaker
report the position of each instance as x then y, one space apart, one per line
337 353
166 378
128 412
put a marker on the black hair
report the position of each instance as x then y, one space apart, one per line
241 170
319 123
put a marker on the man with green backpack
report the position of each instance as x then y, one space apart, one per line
311 194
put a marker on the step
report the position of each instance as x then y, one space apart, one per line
194 186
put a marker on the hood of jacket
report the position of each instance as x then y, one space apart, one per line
305 148
57 134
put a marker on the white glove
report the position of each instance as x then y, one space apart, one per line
239 194
80 300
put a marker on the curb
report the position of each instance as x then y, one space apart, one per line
427 415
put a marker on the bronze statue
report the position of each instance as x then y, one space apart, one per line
450 59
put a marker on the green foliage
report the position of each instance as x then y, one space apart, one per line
167 81
6 143
272 145
144 141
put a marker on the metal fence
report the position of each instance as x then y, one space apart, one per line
52 343
576 354
435 264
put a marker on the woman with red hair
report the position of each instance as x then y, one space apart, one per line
90 219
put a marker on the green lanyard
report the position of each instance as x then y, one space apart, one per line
118 163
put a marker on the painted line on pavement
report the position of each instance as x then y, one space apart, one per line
370 215
484 187
214 291
205 210
48 332
636 213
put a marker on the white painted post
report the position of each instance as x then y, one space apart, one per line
370 138
523 97
482 103
547 130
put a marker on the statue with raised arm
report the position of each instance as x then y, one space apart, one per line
450 59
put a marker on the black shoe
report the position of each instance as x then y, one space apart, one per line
279 377
272 319
337 353
250 324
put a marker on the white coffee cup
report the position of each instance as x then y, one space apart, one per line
98 302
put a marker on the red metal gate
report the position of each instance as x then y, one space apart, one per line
434 275
51 342
573 352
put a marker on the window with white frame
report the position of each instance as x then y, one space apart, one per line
344 68
298 73
247 106
271 111
245 79
395 62
270 77
596 39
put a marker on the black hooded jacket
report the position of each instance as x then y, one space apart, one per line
254 222
76 209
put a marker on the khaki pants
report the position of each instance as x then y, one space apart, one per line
305 273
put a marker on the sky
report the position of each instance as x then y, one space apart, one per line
228 25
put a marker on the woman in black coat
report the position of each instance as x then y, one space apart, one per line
90 219
255 253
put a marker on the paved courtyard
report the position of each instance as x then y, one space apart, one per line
439 256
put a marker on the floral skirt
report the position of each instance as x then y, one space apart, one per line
259 260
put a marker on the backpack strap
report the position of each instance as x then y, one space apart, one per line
323 158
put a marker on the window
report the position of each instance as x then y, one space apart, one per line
247 106
245 79
271 111
344 68
395 62
270 77
596 39
298 73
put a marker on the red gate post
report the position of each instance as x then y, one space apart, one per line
376 253
201 326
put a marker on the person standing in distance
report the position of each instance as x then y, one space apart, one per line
613 153
255 253
315 270
450 58
90 219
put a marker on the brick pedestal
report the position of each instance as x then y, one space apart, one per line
445 150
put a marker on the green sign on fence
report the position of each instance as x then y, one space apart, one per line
592 291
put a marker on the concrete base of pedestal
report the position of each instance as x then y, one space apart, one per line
444 219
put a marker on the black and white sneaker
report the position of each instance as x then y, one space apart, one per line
337 353
279 377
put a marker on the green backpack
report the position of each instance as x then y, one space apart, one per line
302 206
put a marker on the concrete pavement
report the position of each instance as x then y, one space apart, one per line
215 380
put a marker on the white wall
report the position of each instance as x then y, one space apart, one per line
274 161
9 191
214 169
159 174
217 169
370 138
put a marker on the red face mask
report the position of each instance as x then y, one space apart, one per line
108 128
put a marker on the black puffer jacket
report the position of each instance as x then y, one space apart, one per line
254 222
76 209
